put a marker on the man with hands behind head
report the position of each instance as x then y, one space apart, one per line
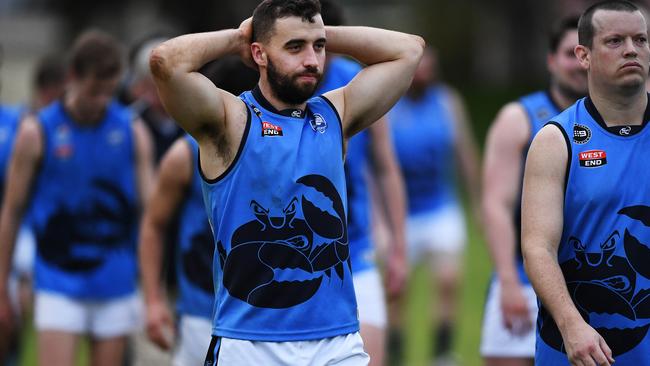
274 183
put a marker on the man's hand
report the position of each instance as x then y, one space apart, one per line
246 30
514 309
396 274
584 346
160 325
6 315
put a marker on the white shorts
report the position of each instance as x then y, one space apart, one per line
344 350
24 252
370 297
496 340
194 334
439 232
99 319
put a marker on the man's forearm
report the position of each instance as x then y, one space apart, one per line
550 286
372 45
8 232
150 253
500 235
392 195
190 52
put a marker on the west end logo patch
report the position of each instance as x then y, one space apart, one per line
318 123
592 158
269 129
581 134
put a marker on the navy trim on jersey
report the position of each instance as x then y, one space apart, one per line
235 160
569 151
593 111
289 112
338 116
212 358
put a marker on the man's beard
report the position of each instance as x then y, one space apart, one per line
286 88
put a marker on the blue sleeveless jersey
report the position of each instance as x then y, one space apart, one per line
539 108
196 248
282 266
84 206
339 73
604 252
9 119
423 134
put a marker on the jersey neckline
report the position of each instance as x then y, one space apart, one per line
623 130
289 112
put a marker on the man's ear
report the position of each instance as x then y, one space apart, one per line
583 54
259 54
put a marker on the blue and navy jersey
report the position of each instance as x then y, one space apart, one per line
424 137
604 252
339 73
84 205
196 248
9 119
282 264
539 108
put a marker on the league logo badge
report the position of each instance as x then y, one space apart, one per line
581 134
318 123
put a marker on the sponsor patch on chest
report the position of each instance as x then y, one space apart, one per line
269 129
592 158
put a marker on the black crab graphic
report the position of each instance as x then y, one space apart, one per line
106 222
197 260
603 286
274 261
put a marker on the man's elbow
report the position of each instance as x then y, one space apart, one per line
414 48
160 63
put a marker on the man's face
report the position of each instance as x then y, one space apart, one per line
295 56
565 68
619 55
93 95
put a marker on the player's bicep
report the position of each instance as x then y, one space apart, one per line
193 101
503 159
23 164
372 93
381 145
543 190
144 159
170 185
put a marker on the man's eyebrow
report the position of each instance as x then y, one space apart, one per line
294 42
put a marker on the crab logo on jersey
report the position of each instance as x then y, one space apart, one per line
269 129
581 134
281 257
608 283
318 123
592 158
